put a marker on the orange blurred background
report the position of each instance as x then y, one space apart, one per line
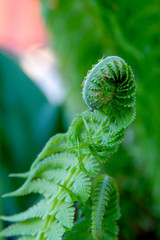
20 25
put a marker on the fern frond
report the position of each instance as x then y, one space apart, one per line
105 202
91 165
56 144
39 210
42 186
55 231
62 160
82 186
65 214
54 175
29 227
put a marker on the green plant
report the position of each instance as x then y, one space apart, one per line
65 169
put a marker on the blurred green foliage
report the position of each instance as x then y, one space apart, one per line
83 32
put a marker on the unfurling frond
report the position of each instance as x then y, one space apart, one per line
64 170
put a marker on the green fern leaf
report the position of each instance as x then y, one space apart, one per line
82 186
65 214
55 231
57 161
91 165
29 227
105 202
39 210
55 175
41 186
55 145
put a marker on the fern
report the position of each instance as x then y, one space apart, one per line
39 210
29 228
105 201
65 214
65 169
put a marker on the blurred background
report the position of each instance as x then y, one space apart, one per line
46 49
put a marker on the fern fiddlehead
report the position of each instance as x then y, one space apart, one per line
63 171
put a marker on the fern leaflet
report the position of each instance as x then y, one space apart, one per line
105 202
